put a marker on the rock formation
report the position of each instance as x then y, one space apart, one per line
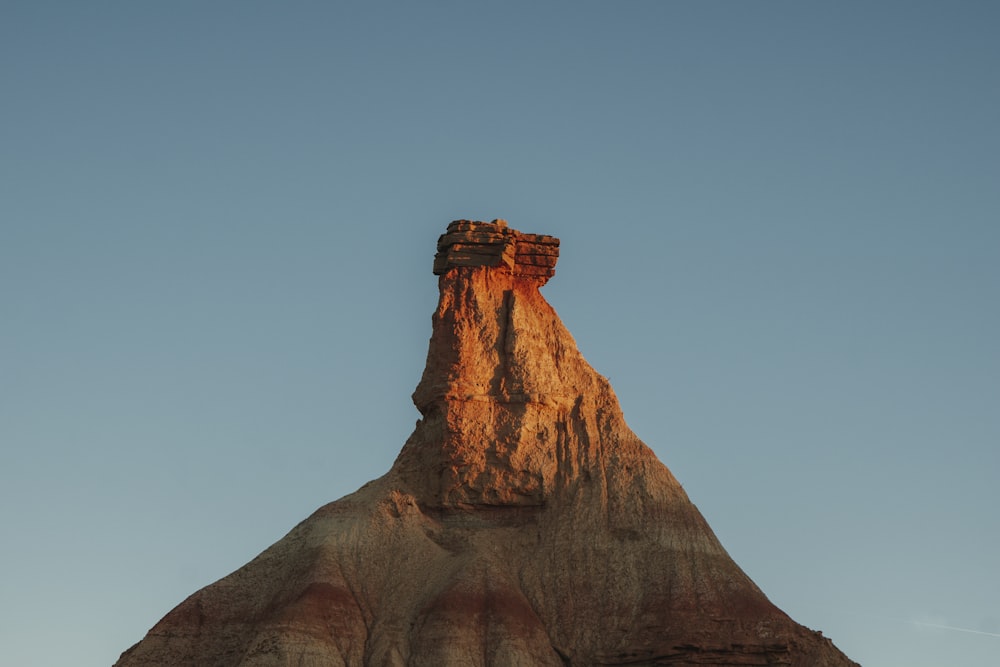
523 523
469 243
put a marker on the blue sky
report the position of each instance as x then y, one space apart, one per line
780 243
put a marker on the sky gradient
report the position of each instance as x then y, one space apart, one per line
780 242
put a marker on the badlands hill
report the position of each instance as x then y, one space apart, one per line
523 523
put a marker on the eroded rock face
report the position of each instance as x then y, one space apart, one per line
523 523
471 243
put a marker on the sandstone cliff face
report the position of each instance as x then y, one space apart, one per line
523 523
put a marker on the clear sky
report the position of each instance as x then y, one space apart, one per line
781 243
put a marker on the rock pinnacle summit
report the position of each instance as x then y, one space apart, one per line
522 524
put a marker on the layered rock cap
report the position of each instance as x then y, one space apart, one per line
472 243
522 524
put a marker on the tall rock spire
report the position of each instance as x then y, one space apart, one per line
505 392
523 522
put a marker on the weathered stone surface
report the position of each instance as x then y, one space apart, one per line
472 243
523 523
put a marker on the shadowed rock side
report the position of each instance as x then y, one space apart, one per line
523 524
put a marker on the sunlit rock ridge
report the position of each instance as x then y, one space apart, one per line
522 524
